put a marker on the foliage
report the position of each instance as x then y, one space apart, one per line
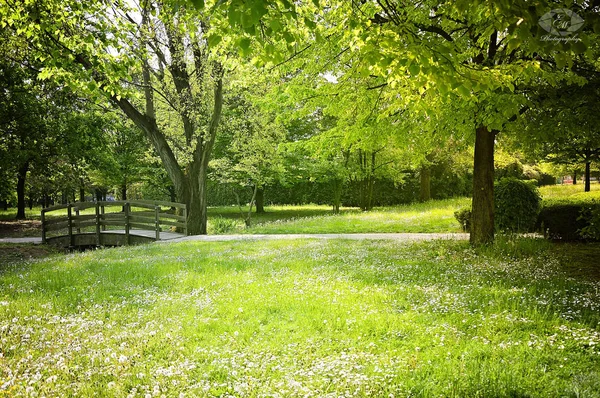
562 221
463 216
221 225
590 215
517 205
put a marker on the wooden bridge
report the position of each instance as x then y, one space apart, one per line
114 223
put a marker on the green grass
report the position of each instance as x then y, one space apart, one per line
301 318
433 216
570 193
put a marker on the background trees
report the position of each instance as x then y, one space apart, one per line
361 92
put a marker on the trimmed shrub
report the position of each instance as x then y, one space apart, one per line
463 216
517 205
562 221
590 215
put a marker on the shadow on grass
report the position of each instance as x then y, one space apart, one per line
13 254
275 213
579 260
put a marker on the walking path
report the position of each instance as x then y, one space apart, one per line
408 237
404 237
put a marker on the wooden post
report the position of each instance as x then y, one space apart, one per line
127 210
103 219
77 215
157 221
185 228
43 225
98 243
70 224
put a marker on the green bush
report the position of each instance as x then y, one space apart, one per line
221 225
463 216
517 205
590 215
570 222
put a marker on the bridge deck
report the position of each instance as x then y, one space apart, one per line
146 233
112 223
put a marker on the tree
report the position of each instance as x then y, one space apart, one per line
248 154
42 124
156 49
482 54
123 160
564 126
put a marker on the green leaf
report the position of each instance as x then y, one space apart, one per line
213 40
414 69
247 20
579 47
463 91
199 4
288 37
309 23
234 16
513 44
275 25
259 10
244 44
560 60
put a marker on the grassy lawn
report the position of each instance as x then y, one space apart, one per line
570 192
302 318
433 216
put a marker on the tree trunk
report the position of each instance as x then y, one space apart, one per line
260 200
21 177
124 191
5 205
587 176
574 177
81 194
425 176
482 222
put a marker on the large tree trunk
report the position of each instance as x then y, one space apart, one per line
124 191
260 200
482 222
21 177
425 177
574 177
587 176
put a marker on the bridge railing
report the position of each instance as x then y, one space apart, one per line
102 216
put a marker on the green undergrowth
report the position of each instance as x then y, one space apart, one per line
302 318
